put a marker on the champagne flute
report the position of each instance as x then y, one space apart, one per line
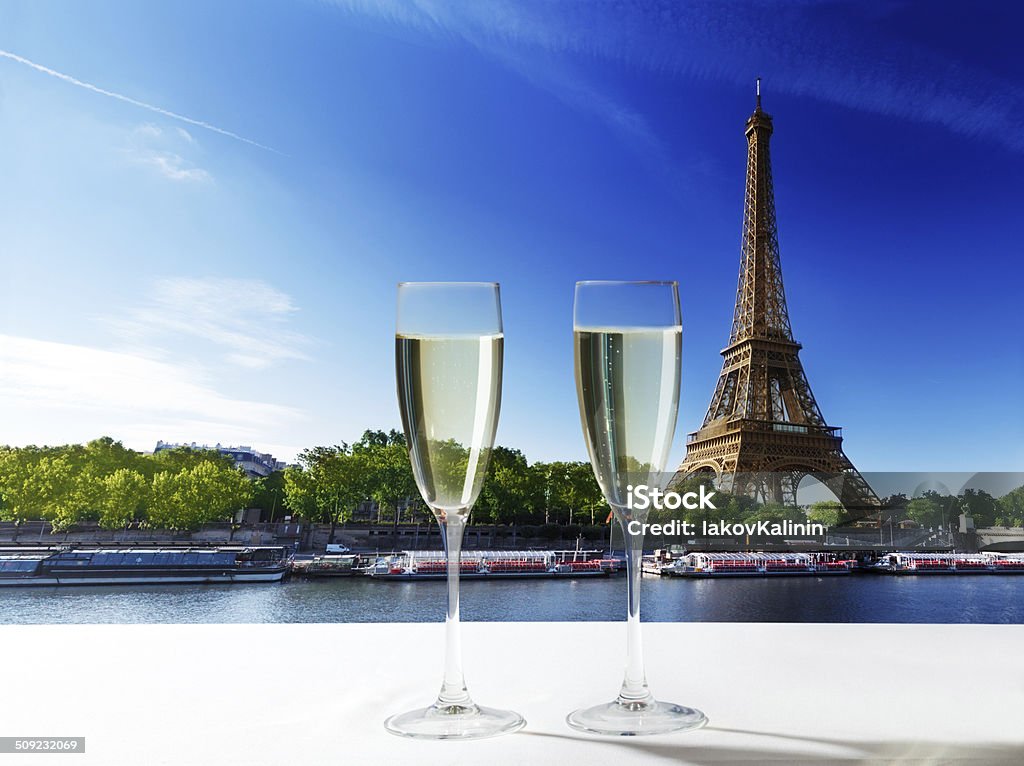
627 339
448 357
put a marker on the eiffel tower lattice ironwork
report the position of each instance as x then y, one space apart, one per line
763 432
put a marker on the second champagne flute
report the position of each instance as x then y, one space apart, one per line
627 339
449 347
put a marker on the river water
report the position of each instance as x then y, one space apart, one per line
855 598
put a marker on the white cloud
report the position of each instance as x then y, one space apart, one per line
55 392
52 392
151 146
150 130
245 317
172 166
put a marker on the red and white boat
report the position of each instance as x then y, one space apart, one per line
949 563
493 565
708 565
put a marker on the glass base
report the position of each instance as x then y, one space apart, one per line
454 722
629 720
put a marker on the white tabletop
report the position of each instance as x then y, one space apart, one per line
317 694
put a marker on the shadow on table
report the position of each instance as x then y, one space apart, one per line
860 751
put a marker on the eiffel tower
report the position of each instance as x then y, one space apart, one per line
763 432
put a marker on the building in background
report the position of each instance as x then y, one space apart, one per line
255 464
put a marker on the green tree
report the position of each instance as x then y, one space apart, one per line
180 459
924 510
825 512
165 509
195 496
513 491
735 507
556 491
348 485
505 491
389 473
895 501
540 486
776 512
269 495
584 494
695 516
1011 508
335 481
20 503
223 490
981 506
124 493
58 491
102 457
300 493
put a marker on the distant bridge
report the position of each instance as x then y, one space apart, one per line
889 537
1008 539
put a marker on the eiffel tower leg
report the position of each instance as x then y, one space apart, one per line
790 481
774 487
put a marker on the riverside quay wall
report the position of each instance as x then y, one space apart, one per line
367 538
312 537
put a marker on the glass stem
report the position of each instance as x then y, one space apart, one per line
634 692
453 690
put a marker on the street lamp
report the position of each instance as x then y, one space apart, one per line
273 507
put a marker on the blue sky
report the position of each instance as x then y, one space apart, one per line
208 249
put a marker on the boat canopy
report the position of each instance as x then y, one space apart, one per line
131 558
476 556
753 558
10 566
945 557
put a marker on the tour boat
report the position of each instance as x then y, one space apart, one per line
707 565
493 565
949 563
138 566
662 558
327 566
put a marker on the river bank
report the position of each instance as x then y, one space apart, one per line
311 537
305 538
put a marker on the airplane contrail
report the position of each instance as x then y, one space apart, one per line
132 101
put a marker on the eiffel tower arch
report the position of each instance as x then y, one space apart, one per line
764 432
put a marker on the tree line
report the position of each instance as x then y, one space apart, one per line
184 488
933 509
105 482
329 484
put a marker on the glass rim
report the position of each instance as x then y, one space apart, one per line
625 282
449 284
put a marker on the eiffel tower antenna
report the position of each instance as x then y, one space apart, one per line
763 431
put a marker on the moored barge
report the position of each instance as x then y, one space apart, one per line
327 566
714 565
949 563
140 566
661 559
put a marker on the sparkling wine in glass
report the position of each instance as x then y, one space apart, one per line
627 340
448 357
